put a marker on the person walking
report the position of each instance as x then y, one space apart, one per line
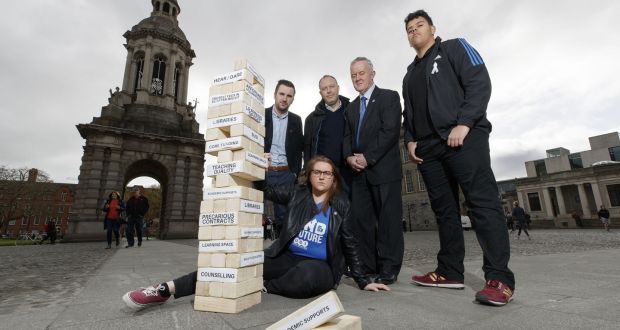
113 208
136 208
603 215
518 213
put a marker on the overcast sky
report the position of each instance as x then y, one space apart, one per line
554 65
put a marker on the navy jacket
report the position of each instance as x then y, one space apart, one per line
459 89
294 144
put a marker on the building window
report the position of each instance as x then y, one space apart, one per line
575 161
24 221
614 153
139 72
541 169
534 201
159 74
63 196
36 220
175 82
12 222
614 194
60 209
404 153
421 184
408 181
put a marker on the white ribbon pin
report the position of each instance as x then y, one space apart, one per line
435 69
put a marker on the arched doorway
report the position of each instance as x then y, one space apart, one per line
151 189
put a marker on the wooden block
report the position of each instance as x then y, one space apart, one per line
249 96
237 75
202 288
343 322
231 245
244 64
234 192
229 275
257 114
240 168
229 218
225 122
317 312
242 130
233 143
256 159
217 134
226 305
231 260
227 180
212 260
219 111
230 205
235 290
255 91
229 232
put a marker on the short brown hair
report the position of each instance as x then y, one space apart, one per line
335 186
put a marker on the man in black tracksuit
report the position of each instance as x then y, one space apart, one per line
446 91
324 128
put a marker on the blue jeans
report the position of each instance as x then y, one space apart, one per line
137 223
112 226
277 179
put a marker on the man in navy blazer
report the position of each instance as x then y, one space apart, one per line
370 148
284 142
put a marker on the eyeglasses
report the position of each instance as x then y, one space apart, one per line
327 174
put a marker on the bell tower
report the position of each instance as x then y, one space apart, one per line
147 129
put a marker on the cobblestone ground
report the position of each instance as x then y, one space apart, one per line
37 276
421 247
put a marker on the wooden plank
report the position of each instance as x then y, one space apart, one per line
231 260
229 218
219 111
256 159
231 205
234 192
243 130
202 288
237 75
235 290
229 232
254 90
317 312
229 275
226 305
231 245
245 64
249 96
257 114
214 134
240 168
233 143
343 322
225 122
227 180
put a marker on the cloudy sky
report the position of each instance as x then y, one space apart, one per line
554 66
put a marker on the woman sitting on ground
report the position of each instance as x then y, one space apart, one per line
308 258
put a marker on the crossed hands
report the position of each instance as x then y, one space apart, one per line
357 162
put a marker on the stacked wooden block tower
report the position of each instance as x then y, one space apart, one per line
230 259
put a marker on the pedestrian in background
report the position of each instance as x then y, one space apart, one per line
518 213
113 208
136 209
603 215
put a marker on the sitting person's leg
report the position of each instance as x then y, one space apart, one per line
293 276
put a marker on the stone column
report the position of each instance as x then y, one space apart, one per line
128 65
520 198
598 199
584 201
170 67
185 75
148 66
560 197
547 202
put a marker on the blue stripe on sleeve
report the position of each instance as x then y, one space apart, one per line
474 57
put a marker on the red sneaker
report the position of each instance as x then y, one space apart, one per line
436 280
144 297
495 293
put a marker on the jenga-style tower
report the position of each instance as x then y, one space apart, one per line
147 129
230 235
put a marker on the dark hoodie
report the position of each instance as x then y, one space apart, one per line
312 130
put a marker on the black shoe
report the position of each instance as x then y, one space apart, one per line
387 279
118 241
139 243
128 246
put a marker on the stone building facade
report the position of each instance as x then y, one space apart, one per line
147 129
566 189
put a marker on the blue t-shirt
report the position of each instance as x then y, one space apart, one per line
311 241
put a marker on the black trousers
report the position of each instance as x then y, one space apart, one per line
288 275
444 169
376 211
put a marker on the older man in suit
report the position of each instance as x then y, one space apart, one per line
371 150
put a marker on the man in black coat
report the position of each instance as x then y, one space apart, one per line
324 129
136 208
370 148
283 142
